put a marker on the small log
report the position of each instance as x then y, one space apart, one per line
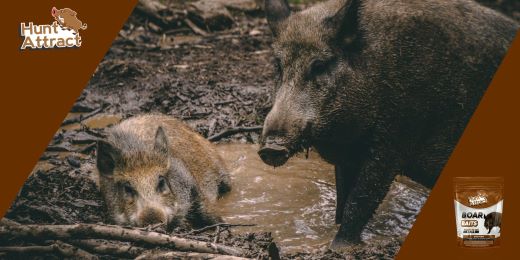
225 225
195 28
109 247
234 130
185 255
58 247
210 15
89 231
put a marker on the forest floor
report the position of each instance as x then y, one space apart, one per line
213 80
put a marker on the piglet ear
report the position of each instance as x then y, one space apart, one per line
108 156
53 11
161 142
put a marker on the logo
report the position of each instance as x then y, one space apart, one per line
62 33
478 199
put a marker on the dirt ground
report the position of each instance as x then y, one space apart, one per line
214 81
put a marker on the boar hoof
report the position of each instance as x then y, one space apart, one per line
274 155
340 244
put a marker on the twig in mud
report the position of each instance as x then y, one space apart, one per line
217 235
234 130
206 228
88 231
196 115
225 102
195 28
185 255
176 31
85 116
58 247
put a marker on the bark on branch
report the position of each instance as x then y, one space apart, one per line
90 231
113 248
186 255
235 130
58 247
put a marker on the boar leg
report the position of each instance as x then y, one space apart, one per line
425 166
346 176
198 216
371 187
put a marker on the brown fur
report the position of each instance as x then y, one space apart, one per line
378 87
141 151
199 155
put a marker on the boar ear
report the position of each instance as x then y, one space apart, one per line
108 157
344 23
161 141
276 11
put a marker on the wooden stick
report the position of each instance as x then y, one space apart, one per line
185 255
88 231
195 28
198 231
109 247
234 130
59 247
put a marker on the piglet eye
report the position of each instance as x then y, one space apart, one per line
162 186
129 191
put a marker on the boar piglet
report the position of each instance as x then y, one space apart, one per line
154 169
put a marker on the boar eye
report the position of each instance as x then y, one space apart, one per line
317 67
162 186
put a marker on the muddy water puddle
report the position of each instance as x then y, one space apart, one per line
98 121
296 202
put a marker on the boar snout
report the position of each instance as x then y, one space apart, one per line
272 153
282 137
150 216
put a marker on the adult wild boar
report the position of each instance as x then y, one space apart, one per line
378 87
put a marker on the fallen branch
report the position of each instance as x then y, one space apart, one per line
58 247
206 228
185 255
89 231
113 248
234 130
151 9
195 28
